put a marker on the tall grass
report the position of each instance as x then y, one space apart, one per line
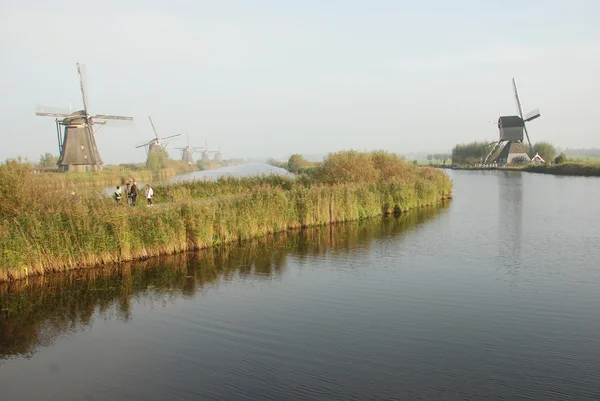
43 231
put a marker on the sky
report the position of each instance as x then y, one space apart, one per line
267 78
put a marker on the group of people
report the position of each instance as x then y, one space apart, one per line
132 192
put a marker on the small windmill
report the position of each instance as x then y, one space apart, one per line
207 153
511 130
188 151
76 134
154 145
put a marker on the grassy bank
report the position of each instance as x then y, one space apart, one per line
576 168
42 231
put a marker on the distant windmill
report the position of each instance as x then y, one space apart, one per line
510 138
154 145
188 151
206 153
75 133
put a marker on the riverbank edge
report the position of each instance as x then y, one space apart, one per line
566 169
184 226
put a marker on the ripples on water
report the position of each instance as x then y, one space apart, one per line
494 297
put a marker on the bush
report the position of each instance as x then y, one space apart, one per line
545 149
519 160
560 159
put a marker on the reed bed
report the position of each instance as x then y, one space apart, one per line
47 231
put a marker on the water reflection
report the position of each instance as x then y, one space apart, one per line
35 311
510 219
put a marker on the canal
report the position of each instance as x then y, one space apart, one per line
493 295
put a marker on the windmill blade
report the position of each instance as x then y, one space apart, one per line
82 89
169 137
517 98
527 135
111 117
154 129
532 115
51 111
146 144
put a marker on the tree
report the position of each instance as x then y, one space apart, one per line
296 162
430 157
470 153
157 160
545 149
48 160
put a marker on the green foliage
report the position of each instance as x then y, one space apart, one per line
277 163
560 159
296 162
470 153
202 165
157 160
519 160
48 160
545 149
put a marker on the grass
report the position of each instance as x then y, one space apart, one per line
45 231
571 167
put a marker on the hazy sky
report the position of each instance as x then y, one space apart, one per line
272 77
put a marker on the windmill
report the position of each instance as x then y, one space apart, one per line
510 138
188 151
76 134
206 153
154 145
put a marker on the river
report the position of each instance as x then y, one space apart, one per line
494 295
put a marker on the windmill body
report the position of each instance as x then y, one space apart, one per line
76 135
187 153
512 130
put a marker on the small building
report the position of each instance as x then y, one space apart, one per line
537 159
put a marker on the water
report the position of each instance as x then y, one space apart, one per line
496 295
241 170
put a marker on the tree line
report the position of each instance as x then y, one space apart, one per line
476 152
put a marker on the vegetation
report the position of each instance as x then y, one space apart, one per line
48 160
470 153
439 157
546 150
296 164
54 230
563 166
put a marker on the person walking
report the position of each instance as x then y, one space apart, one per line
149 195
117 195
134 193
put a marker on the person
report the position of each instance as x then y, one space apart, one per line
117 195
134 193
128 193
149 195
